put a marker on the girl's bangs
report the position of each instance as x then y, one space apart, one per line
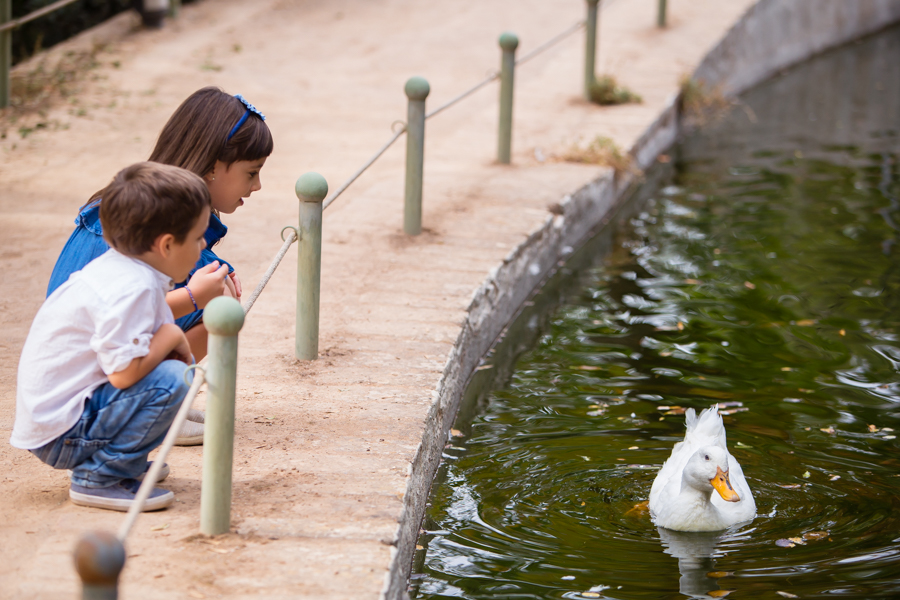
252 141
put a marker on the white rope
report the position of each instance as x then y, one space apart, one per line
137 506
151 475
368 164
292 237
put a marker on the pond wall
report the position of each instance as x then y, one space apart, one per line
770 37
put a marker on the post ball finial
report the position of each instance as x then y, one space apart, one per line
417 88
99 559
311 187
509 41
223 316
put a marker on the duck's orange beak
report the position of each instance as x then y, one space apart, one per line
723 486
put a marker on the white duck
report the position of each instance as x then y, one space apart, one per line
682 495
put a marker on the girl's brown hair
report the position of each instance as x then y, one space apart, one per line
196 135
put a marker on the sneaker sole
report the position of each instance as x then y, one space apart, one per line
121 505
196 440
162 474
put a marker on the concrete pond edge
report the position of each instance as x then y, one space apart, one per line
770 37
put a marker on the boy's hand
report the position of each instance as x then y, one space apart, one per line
208 282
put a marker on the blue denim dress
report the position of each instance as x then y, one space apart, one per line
86 243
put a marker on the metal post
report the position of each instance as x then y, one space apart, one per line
508 43
153 12
5 52
174 8
661 14
417 90
99 559
590 47
311 189
223 318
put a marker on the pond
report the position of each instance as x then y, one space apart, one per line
758 269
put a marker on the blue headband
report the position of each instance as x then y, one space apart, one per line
246 115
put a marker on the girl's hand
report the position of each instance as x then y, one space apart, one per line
208 282
236 283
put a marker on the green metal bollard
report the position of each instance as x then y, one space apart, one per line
661 14
174 8
5 52
311 190
223 318
417 90
590 47
99 559
508 42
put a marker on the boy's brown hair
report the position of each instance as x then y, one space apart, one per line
147 200
196 135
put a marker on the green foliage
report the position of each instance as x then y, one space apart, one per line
606 91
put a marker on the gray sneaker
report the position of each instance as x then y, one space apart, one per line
119 496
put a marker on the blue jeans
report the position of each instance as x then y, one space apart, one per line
119 428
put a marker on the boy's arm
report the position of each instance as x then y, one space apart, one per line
206 283
167 340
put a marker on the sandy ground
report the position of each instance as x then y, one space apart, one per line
322 448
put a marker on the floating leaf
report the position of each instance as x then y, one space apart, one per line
873 429
749 285
719 574
742 445
732 411
457 433
835 477
828 430
784 543
590 595
692 281
633 448
729 403
797 540
676 410
806 475
786 594
789 486
719 593
815 535
842 332
805 322
587 368
665 354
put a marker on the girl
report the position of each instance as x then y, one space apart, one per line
224 140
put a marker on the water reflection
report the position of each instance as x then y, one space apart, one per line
696 553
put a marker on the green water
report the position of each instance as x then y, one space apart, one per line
763 274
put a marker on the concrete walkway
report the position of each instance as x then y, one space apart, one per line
323 448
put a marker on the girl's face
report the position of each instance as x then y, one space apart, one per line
229 184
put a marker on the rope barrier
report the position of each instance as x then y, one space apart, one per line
493 77
150 479
292 237
152 474
362 169
551 42
35 15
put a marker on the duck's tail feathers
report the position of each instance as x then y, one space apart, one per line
708 425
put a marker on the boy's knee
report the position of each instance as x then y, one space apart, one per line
169 374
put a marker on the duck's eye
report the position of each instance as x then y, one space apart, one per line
706 456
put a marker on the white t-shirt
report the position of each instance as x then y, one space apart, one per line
93 325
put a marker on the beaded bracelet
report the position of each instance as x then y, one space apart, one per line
194 302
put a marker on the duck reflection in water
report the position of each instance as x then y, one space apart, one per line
696 552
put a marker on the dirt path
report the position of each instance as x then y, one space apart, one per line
323 447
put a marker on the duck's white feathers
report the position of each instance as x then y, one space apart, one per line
706 430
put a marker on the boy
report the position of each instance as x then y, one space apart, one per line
97 386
